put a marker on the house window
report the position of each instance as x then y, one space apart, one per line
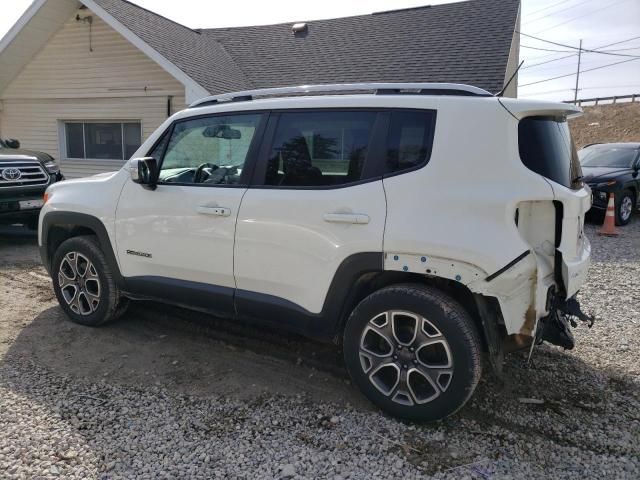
102 140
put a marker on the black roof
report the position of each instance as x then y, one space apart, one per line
466 42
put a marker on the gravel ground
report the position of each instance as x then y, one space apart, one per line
161 394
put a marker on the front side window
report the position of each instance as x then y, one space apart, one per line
102 140
410 140
604 156
546 148
315 149
210 150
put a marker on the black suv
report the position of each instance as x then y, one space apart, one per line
613 168
24 176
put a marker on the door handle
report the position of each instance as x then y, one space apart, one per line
218 211
357 218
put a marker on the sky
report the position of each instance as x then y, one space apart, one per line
566 22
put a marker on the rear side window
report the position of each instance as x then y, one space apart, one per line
319 149
410 140
546 148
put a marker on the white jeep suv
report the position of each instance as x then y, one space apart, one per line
415 225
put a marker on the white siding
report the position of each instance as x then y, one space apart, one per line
37 124
65 81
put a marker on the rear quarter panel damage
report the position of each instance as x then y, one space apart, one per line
459 213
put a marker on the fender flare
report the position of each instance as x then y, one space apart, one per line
73 220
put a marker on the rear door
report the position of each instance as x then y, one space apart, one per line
316 200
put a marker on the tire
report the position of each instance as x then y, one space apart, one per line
448 342
625 205
84 283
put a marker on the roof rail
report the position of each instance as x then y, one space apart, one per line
377 88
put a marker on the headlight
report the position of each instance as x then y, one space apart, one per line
52 167
602 196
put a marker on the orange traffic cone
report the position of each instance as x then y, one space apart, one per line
609 226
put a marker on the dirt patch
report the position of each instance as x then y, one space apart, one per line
167 393
607 124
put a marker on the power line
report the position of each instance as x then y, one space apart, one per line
582 16
622 49
545 49
582 88
599 49
621 41
585 49
583 71
549 6
597 87
558 68
549 61
557 11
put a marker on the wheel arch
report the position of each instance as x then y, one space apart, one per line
60 226
484 311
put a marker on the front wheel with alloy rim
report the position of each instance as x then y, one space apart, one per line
413 351
84 283
625 203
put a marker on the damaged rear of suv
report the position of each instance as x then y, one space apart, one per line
415 225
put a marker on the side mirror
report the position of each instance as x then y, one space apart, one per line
13 143
144 171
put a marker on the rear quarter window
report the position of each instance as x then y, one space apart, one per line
546 148
410 140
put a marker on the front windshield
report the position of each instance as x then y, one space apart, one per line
607 157
2 144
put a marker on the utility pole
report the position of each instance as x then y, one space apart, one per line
575 96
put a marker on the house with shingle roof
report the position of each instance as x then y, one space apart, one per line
87 80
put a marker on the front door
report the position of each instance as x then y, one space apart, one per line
176 242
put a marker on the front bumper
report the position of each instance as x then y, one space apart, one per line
23 204
20 209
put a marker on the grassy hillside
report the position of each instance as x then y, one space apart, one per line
607 123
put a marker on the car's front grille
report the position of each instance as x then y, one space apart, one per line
23 173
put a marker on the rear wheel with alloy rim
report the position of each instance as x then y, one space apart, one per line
625 203
84 283
413 351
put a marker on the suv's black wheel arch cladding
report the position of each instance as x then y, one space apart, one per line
368 283
60 226
358 276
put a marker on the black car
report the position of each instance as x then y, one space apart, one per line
613 168
24 176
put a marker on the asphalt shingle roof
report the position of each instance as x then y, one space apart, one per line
201 58
466 42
